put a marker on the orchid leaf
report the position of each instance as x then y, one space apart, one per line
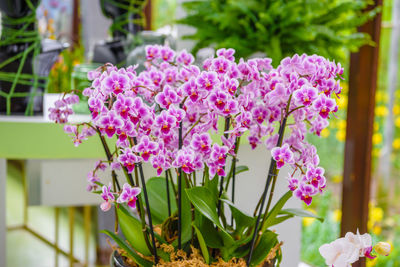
204 201
212 185
158 199
276 209
242 220
131 227
240 169
301 213
130 252
207 228
280 219
267 241
203 246
163 255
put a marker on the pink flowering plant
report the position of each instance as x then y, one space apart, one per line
188 123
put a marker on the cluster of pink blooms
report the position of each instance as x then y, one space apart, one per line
61 110
150 107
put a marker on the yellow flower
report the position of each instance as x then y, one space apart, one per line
341 135
377 138
371 262
308 221
337 179
396 110
325 132
345 88
381 111
378 96
341 125
377 230
342 102
376 152
396 143
376 126
337 215
381 96
397 122
376 214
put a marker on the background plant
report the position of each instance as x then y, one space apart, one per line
279 28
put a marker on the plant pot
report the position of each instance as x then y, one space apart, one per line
116 260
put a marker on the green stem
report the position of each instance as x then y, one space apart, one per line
140 207
109 158
172 182
168 197
180 189
232 170
221 186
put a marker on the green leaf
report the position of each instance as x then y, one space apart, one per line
131 253
212 185
131 227
163 255
206 227
280 219
205 202
267 241
241 168
275 210
242 220
157 192
203 246
301 213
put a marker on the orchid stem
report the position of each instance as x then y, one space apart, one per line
140 208
113 175
168 197
172 182
180 190
233 185
221 186
271 174
109 158
146 199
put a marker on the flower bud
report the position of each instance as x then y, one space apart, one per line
105 206
383 248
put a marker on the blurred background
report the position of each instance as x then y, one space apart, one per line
48 46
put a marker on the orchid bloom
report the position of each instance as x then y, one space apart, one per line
108 198
282 155
129 195
347 250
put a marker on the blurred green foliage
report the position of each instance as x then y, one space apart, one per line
163 13
315 234
61 72
279 28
